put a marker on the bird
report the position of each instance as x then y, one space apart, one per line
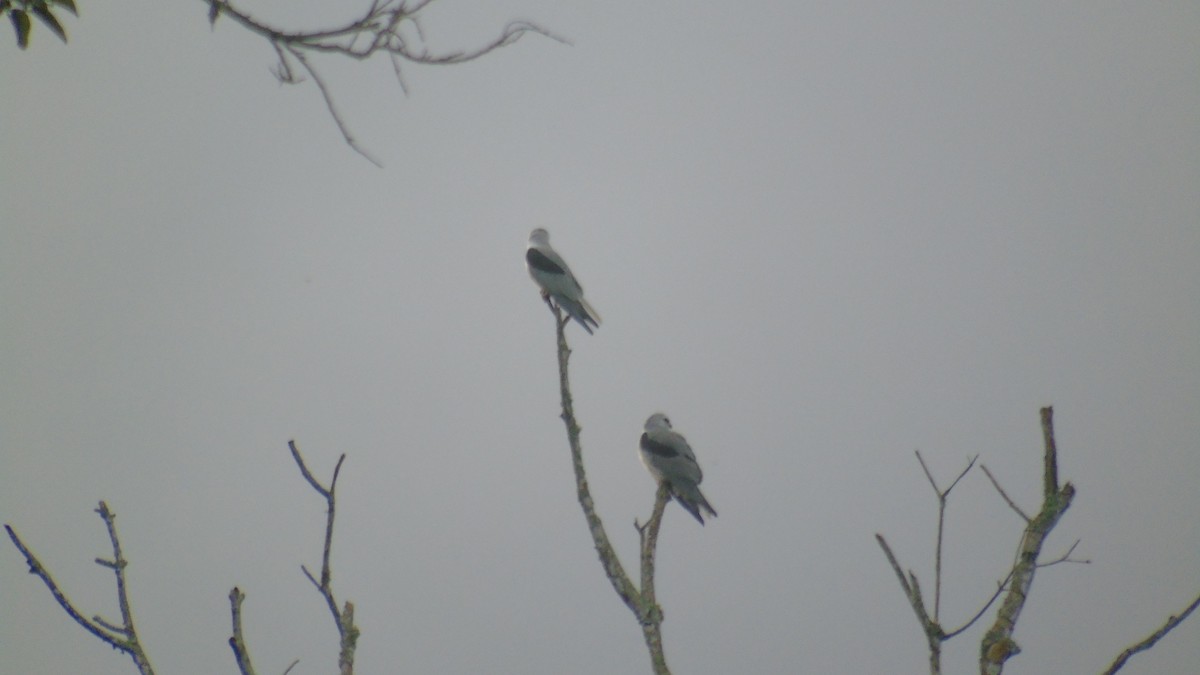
550 272
670 459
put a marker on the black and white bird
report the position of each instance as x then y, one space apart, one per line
670 459
555 279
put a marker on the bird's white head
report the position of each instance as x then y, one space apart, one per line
539 237
658 421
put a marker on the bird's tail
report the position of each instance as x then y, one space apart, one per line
582 312
692 500
593 315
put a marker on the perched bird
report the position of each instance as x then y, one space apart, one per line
669 457
554 277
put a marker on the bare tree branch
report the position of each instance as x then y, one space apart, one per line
1066 558
998 645
378 30
240 653
999 589
123 638
648 534
344 619
933 632
1153 638
1004 494
941 497
641 603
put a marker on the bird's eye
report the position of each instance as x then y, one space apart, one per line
667 420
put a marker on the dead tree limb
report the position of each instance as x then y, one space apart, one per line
344 619
640 602
347 631
998 645
941 497
1153 638
123 638
391 27
241 653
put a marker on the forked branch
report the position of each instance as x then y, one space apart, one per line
344 619
347 631
391 27
998 645
640 602
123 637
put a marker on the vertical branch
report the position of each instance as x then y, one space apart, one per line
998 644
652 623
648 614
123 638
344 619
937 558
117 564
1050 459
240 653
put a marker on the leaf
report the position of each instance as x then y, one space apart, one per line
52 23
4 5
69 4
20 22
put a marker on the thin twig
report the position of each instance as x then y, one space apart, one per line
1004 494
1153 638
329 104
942 495
378 30
1066 558
912 590
999 589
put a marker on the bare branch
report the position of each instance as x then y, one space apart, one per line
333 111
1050 474
648 534
1153 638
652 621
1004 494
887 551
942 495
1066 558
107 625
999 589
378 30
36 568
236 642
997 645
344 619
123 638
912 590
647 612
135 648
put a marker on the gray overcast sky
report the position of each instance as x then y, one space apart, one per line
820 236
